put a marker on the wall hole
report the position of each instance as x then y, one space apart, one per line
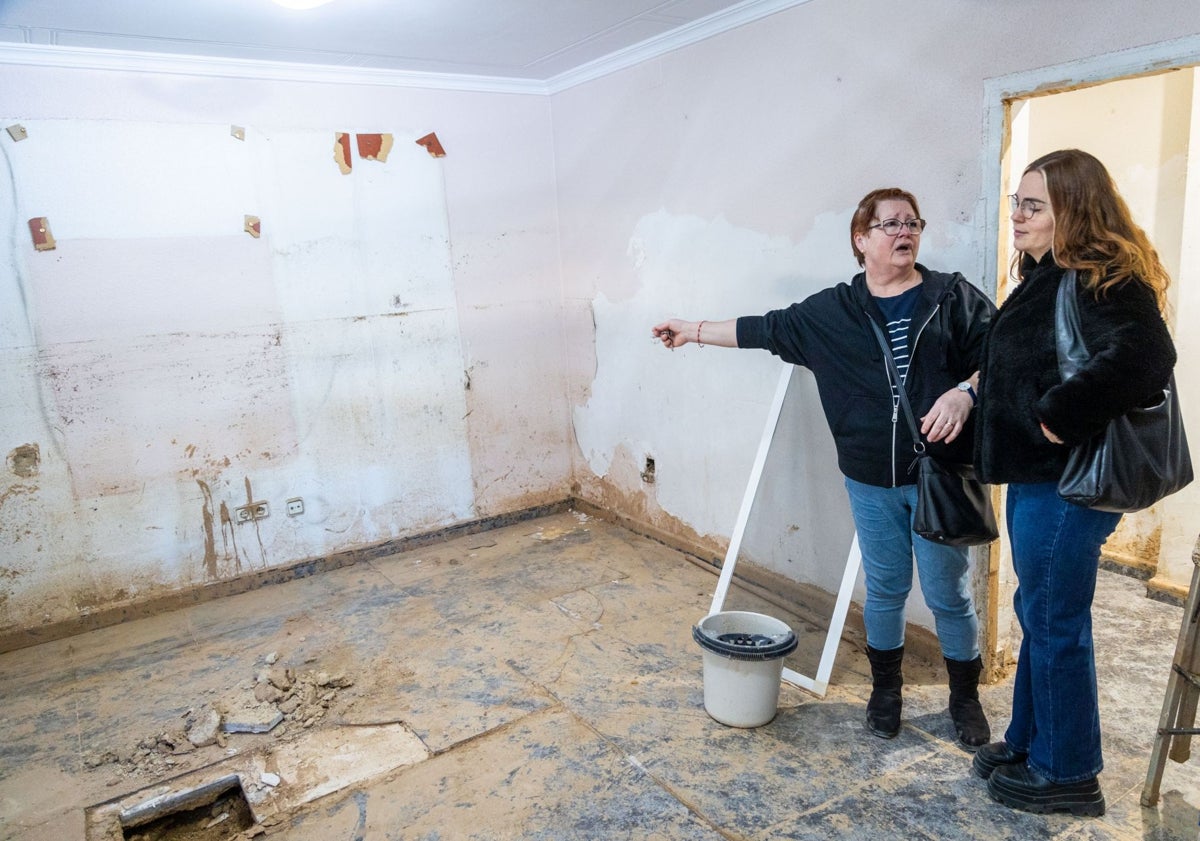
648 471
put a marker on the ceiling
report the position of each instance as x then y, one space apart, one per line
547 43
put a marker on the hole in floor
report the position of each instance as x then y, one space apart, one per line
218 811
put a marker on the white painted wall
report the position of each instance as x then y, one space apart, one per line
719 180
713 181
388 350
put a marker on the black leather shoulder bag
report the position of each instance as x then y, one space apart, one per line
1141 456
953 507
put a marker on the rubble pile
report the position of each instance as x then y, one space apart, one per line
279 700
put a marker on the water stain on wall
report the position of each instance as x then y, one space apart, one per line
228 536
24 460
210 541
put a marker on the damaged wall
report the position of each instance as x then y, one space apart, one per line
171 359
159 368
737 164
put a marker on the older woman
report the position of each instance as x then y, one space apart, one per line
1066 214
936 322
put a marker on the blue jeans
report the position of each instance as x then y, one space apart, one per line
883 520
1056 552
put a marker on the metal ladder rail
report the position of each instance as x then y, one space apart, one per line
1176 724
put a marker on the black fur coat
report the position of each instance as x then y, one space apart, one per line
1132 357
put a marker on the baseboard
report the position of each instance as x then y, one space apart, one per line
198 594
811 603
1164 590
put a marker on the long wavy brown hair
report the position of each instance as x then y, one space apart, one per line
1094 232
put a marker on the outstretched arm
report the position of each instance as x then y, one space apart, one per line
675 333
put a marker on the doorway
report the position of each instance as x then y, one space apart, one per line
1140 115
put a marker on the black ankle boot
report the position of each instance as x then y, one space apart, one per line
969 720
883 709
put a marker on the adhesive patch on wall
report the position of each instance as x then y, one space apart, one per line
374 147
432 145
39 229
341 152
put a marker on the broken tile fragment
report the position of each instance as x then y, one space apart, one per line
39 228
205 729
254 724
17 132
374 147
341 152
432 145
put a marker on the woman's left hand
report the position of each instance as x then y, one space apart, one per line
945 420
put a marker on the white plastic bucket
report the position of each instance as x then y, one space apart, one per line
743 665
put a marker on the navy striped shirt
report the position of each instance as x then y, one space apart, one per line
898 312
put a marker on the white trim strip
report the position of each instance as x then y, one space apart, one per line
87 58
683 36
136 61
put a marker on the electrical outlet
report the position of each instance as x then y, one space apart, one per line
253 511
295 507
648 471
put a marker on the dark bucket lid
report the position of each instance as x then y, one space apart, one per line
746 646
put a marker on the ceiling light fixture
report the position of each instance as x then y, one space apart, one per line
301 4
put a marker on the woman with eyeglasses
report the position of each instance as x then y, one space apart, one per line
1066 214
936 322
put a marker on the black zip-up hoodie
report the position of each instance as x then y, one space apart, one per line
828 333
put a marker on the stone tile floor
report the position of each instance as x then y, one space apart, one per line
537 681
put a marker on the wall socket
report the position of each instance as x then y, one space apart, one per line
295 507
253 511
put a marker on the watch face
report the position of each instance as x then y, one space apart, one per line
964 387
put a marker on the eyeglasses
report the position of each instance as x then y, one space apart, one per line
892 227
1027 207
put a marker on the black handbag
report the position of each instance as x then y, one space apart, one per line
953 507
1140 457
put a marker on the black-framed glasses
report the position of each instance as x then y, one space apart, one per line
892 227
1027 207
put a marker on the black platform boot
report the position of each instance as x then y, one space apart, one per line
883 709
969 719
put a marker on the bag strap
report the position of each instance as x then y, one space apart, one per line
1068 335
918 444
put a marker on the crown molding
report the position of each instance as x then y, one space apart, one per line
706 27
137 61
88 58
